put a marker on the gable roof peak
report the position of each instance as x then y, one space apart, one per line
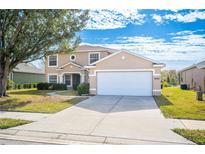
93 48
131 53
70 63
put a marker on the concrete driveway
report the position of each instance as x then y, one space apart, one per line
136 120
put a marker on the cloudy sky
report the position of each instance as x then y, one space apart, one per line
175 37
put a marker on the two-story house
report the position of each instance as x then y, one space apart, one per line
70 68
108 71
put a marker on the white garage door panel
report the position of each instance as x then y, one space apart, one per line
124 83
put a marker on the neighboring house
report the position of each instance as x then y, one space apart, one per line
27 73
194 76
108 71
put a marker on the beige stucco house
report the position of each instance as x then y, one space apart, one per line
108 71
194 76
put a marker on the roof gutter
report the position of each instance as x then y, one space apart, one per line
159 65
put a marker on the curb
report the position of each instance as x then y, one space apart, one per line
64 139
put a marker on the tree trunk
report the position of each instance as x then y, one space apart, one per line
4 72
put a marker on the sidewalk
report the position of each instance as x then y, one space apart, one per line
66 138
23 115
192 124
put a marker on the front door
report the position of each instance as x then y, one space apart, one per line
76 80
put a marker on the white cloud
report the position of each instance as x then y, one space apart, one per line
157 18
185 32
184 46
111 19
180 17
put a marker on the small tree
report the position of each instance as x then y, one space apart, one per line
170 76
28 35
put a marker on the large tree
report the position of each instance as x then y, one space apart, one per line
28 35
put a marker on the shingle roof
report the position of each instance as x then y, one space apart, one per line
197 65
28 68
89 48
201 64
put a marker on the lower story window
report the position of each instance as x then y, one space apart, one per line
52 78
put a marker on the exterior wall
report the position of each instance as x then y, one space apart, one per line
129 62
194 78
20 78
125 61
70 69
81 59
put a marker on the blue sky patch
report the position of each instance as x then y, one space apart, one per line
175 37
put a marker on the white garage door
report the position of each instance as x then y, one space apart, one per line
124 83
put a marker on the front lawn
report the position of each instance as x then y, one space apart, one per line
32 100
7 122
180 104
197 136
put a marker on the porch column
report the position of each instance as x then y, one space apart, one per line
82 77
60 78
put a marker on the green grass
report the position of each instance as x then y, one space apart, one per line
32 100
197 136
180 104
30 92
7 123
49 107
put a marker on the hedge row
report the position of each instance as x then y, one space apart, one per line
25 86
51 86
12 85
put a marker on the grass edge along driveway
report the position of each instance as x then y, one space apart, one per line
180 104
8 122
196 136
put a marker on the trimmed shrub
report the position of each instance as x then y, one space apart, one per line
25 86
83 88
57 86
35 85
165 84
19 86
10 84
51 86
43 86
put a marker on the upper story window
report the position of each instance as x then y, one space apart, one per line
52 60
93 57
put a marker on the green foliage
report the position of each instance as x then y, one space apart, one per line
24 86
29 85
170 77
10 84
51 86
19 86
197 136
33 32
83 88
43 86
7 122
28 35
165 84
57 86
